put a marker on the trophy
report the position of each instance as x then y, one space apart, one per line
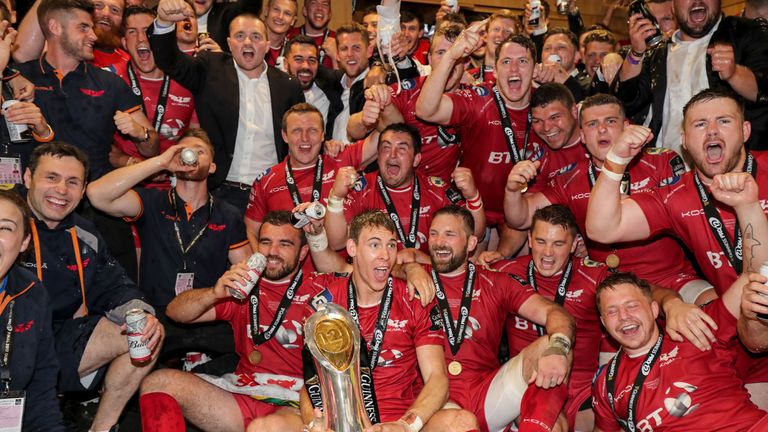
333 339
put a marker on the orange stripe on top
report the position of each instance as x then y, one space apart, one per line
9 298
141 209
243 243
133 109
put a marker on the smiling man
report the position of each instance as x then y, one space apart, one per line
317 16
409 198
553 271
281 15
714 136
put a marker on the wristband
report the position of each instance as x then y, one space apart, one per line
414 426
317 242
613 157
637 54
559 341
475 203
335 205
612 175
48 137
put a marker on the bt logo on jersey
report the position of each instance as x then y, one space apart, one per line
715 259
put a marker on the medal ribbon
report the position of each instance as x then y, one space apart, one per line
637 387
317 184
162 99
368 359
455 334
319 47
185 250
562 287
445 137
732 250
257 337
409 241
506 124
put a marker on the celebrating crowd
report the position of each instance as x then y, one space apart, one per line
533 228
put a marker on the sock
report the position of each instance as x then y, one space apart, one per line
160 413
540 408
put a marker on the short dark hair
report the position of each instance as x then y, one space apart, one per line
49 7
407 15
599 99
26 214
281 218
200 134
370 10
248 15
615 279
520 39
369 219
58 149
712 94
545 7
556 214
461 213
5 12
450 31
351 28
405 128
135 10
600 35
301 39
552 92
572 38
302 108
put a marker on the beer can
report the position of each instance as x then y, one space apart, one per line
554 58
533 20
639 7
764 272
256 265
301 218
135 321
562 7
15 130
188 156
453 4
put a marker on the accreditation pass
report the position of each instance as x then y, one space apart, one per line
11 410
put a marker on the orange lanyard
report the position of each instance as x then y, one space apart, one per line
78 259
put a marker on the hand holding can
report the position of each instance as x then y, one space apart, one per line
256 264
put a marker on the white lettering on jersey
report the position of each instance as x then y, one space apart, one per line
692 213
580 196
499 157
715 260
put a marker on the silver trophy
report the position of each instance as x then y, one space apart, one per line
333 339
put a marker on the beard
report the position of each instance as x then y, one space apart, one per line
73 49
454 263
107 40
281 272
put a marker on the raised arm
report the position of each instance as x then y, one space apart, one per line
112 193
433 105
187 70
30 41
609 218
197 305
335 221
739 191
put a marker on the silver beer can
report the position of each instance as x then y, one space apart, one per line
256 264
135 321
14 129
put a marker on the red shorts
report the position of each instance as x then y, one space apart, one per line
251 408
474 400
576 398
674 281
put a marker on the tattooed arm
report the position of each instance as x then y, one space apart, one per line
739 190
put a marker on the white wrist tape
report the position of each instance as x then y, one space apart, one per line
613 157
612 175
335 205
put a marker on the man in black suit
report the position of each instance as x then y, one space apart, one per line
214 17
239 100
321 87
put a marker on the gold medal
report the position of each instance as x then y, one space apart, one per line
254 357
454 368
612 260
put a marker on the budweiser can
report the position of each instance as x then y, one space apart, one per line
453 4
135 321
639 7
202 36
562 7
301 218
188 156
256 264
14 129
764 272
